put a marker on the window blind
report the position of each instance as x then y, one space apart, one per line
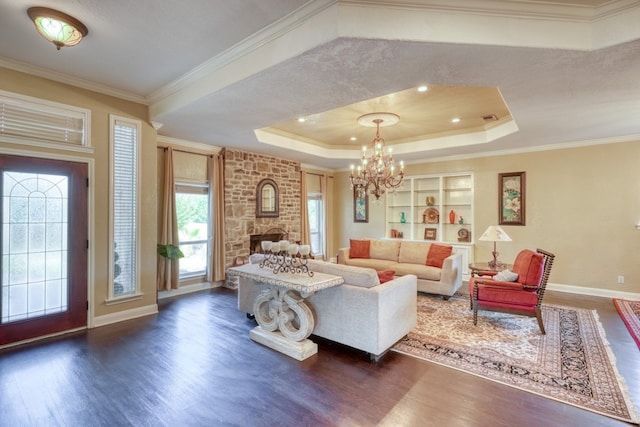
125 141
32 121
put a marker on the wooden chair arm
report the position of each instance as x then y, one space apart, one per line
503 285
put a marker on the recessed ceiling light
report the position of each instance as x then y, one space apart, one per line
353 138
301 119
422 88
455 120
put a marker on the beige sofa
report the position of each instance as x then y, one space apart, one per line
361 313
409 257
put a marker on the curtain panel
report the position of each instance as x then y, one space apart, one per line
215 171
168 269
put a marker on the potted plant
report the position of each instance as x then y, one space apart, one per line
169 251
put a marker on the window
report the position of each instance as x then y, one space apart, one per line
35 246
316 223
192 209
32 121
124 207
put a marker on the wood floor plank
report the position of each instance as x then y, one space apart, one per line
193 364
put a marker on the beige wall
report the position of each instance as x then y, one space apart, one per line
101 106
581 204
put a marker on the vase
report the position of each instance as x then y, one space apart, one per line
402 218
452 217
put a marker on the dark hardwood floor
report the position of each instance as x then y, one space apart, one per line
193 364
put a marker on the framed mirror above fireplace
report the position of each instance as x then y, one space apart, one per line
267 199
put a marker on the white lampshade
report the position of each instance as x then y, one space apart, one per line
495 233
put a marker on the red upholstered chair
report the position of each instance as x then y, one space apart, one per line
524 296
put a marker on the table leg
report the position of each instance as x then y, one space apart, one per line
285 321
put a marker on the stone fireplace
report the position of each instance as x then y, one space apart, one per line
242 173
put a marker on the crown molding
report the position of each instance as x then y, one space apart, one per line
505 8
248 45
415 146
515 151
538 148
45 73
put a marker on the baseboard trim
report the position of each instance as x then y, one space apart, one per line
188 289
121 316
40 338
596 292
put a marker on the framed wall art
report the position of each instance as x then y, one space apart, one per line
360 207
430 233
511 198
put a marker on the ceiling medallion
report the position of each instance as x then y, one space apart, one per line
59 28
376 175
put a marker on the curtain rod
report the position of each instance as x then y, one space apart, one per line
186 152
318 174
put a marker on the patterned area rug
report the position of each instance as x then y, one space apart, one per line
630 313
572 363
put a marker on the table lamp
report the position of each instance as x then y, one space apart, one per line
494 234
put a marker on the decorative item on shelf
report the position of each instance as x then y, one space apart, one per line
430 233
452 217
432 216
400 234
431 200
403 219
461 220
494 234
464 235
394 233
282 257
376 175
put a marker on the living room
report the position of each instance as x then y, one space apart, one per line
581 201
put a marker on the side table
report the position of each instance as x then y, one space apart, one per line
477 267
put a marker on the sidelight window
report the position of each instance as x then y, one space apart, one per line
125 136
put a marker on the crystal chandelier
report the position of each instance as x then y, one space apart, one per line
376 175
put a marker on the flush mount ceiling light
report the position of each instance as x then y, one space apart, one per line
59 28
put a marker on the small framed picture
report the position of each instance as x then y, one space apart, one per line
430 233
511 198
360 206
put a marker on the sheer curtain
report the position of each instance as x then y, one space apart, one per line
168 269
305 231
215 172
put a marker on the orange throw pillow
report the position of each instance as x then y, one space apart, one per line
358 248
385 275
437 254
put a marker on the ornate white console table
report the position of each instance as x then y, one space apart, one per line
284 319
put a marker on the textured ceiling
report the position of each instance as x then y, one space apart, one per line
216 71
